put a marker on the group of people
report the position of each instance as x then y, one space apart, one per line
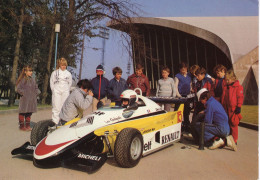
218 104
67 104
218 101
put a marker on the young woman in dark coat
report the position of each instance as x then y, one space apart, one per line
28 89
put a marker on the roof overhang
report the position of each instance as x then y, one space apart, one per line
235 36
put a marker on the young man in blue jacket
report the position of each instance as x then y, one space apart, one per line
100 85
216 122
116 86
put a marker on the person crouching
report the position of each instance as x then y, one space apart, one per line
216 122
78 101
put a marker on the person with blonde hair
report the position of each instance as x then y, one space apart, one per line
28 90
232 99
60 83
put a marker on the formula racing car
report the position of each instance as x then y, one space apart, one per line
126 132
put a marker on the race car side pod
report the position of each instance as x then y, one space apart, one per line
201 140
26 148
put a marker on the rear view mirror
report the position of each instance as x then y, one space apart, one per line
127 114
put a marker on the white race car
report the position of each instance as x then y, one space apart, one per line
125 133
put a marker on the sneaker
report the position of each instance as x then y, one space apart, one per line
231 143
217 143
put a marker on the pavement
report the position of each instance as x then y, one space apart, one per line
182 160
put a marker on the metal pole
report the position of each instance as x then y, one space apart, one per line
201 140
157 55
196 52
57 30
205 53
133 51
164 56
215 54
56 50
179 51
171 53
145 63
151 54
187 51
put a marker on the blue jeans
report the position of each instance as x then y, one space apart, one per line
211 131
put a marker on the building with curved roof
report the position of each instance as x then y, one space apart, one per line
206 41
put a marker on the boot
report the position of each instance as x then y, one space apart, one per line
21 123
22 127
27 123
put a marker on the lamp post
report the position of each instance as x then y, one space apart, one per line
57 30
104 33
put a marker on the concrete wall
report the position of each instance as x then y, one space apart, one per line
246 69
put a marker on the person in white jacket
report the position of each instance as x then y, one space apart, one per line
60 83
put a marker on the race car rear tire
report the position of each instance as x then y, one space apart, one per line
128 148
40 130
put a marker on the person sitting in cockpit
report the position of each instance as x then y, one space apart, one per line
128 98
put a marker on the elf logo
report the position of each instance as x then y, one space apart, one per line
148 146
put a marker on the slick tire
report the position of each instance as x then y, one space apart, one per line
40 130
128 148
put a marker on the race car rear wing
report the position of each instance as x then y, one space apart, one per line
172 100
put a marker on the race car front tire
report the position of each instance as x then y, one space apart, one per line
128 148
40 130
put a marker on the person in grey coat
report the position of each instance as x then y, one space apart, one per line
79 100
28 90
165 87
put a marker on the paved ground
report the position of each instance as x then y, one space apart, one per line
173 162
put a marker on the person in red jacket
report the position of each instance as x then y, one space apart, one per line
232 100
139 80
220 82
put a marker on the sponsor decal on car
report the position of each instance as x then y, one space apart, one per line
148 130
158 109
179 116
90 119
113 119
99 113
133 96
170 137
30 147
89 157
148 146
73 124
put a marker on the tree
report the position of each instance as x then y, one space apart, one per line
16 55
27 34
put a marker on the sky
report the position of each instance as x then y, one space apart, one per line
116 55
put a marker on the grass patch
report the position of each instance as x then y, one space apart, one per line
6 107
249 114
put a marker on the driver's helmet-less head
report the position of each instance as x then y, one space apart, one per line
130 96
